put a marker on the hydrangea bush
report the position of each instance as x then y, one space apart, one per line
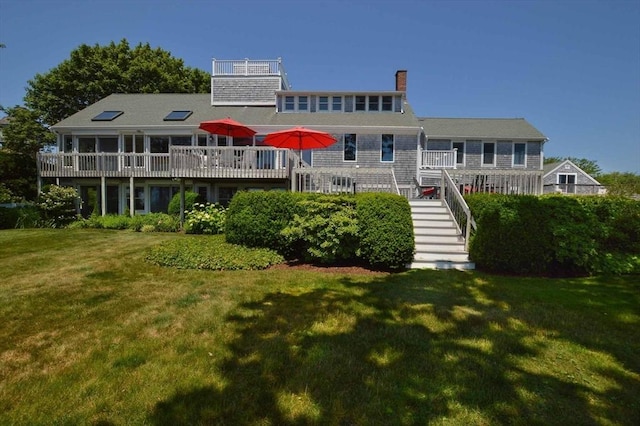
205 219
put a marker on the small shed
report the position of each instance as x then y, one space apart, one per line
565 177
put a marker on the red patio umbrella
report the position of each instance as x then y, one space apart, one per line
299 138
227 127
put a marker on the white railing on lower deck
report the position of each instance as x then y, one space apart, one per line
430 159
498 181
343 180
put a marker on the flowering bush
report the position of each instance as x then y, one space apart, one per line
205 219
57 206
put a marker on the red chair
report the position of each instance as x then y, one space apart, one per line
429 192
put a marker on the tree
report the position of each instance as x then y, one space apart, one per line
617 183
24 133
590 167
94 72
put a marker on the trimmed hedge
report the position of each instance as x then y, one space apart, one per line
256 219
386 230
374 228
555 235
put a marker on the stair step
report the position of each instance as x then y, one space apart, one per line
439 264
454 256
438 239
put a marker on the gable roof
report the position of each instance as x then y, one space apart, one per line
551 168
147 111
480 128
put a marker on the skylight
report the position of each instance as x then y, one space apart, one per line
107 116
178 115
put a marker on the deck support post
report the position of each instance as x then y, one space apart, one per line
103 195
132 202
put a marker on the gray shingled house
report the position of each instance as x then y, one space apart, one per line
133 152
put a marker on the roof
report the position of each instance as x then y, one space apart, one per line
147 111
480 128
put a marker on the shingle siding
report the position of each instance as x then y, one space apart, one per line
534 155
246 89
368 155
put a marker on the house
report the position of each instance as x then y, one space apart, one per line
133 152
566 178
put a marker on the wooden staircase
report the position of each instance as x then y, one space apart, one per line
439 244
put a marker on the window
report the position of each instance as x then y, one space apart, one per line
459 153
289 103
303 103
374 103
139 198
178 115
323 103
203 140
107 116
519 154
361 103
181 140
488 153
134 144
387 103
159 144
67 148
567 182
350 147
336 103
386 148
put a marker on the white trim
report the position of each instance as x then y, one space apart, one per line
495 148
464 153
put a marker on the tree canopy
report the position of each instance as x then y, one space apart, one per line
94 72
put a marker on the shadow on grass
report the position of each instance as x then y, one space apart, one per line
404 349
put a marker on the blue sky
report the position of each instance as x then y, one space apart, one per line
571 68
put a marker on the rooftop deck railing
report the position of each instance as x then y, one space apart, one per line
249 67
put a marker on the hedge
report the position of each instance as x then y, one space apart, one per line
555 235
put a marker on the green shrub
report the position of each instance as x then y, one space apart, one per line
57 205
205 219
326 229
161 222
385 230
210 252
23 216
256 219
190 198
555 235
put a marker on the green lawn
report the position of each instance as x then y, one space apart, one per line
91 334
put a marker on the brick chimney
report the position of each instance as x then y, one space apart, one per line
401 81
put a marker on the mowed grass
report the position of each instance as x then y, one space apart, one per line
91 334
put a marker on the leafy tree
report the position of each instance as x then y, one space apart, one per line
94 72
24 133
590 167
24 136
617 183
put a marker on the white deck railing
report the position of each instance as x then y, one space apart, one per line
343 180
430 159
182 162
249 67
498 181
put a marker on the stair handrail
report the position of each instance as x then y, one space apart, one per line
458 207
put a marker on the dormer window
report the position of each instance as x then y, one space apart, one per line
323 103
336 103
361 103
289 103
303 103
387 103
107 116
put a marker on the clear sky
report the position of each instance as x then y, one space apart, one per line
571 68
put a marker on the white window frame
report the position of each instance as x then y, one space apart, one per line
355 103
382 103
328 109
463 150
393 148
495 146
286 104
332 105
513 155
344 141
298 108
566 184
379 103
